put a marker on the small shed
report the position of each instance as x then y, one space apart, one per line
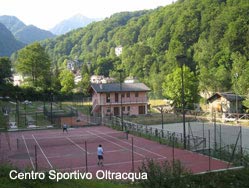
225 102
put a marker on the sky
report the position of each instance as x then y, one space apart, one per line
47 13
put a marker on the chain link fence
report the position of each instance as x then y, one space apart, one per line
212 139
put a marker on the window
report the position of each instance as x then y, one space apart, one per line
123 108
128 94
128 108
136 94
116 97
122 95
108 110
108 98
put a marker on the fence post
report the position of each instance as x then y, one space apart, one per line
189 142
220 141
209 152
86 156
173 150
36 162
36 119
241 148
132 155
215 129
156 132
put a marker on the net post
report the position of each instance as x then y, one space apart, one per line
17 143
36 162
132 154
86 156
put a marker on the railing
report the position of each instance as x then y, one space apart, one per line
126 101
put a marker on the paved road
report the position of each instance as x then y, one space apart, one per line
228 133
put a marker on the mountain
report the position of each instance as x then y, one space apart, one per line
25 34
12 23
8 43
30 34
72 23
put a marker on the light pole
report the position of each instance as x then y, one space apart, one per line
236 75
180 59
17 110
121 100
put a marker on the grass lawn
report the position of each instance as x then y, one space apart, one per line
155 119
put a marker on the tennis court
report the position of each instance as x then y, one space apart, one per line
77 150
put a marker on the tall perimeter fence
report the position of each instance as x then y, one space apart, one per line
211 139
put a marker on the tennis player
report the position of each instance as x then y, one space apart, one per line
65 127
100 153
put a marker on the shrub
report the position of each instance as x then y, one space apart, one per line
164 174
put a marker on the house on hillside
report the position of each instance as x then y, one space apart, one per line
108 99
131 79
225 102
118 50
98 79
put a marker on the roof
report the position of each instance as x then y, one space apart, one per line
228 96
115 87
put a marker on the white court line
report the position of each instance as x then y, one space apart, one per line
83 136
92 153
159 155
106 164
42 151
28 152
77 145
114 143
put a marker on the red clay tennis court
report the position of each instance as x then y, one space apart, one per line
77 150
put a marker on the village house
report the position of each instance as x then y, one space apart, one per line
118 50
97 79
108 99
225 102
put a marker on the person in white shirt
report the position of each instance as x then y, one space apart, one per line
65 127
100 153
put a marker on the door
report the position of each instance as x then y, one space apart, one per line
141 110
116 111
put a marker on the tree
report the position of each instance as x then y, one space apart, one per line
85 83
240 74
67 81
104 65
172 86
33 62
5 70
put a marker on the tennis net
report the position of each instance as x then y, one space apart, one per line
23 143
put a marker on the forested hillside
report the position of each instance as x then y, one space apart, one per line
213 34
8 43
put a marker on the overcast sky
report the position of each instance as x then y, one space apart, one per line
47 13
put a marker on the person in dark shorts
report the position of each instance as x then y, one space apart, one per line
100 153
65 127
